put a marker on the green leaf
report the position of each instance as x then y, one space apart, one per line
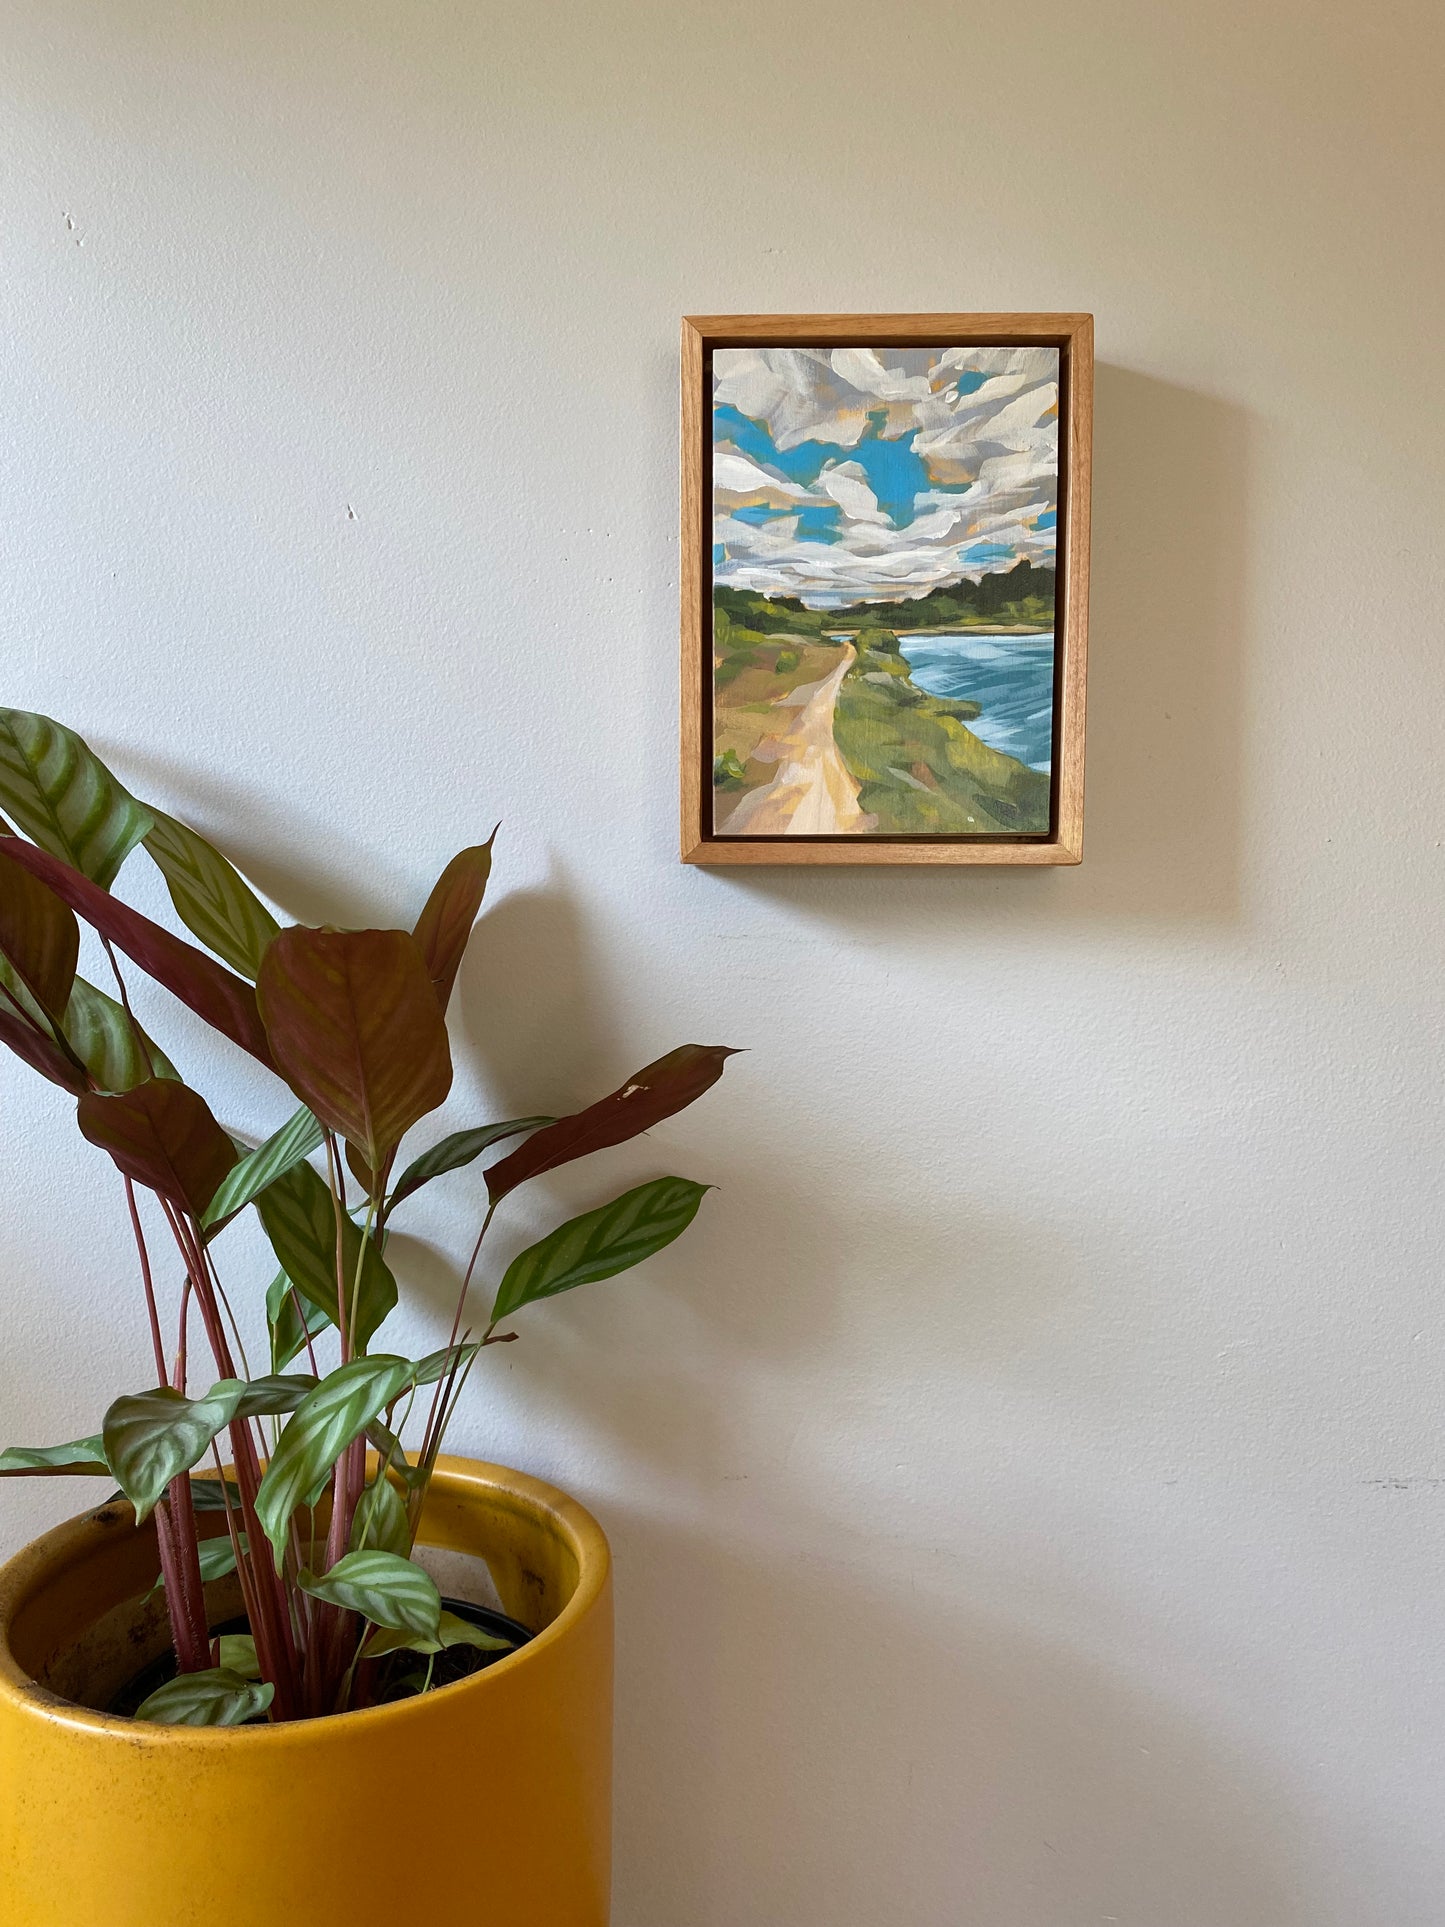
353 1025
116 1051
451 1153
300 1219
210 897
33 1034
436 1365
393 1455
237 1654
456 1631
600 1243
48 1461
446 922
268 1397
297 1138
388 1590
38 933
656 1092
209 1495
381 1524
288 1326
152 1437
18 998
452 1630
337 1411
416 1682
217 1697
217 1556
64 797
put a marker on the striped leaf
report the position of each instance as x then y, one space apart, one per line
435 1366
269 1397
211 1495
451 1153
353 1026
113 1048
50 1461
388 1590
152 1437
216 1697
64 797
600 1243
217 1557
452 1630
211 898
300 1220
297 1138
380 1523
319 1431
291 1319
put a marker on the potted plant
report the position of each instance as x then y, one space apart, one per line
310 1730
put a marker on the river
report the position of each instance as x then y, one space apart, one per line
1011 678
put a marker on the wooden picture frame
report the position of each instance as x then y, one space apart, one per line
1061 840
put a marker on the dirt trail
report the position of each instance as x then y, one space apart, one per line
812 793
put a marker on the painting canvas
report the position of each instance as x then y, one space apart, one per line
883 593
885 586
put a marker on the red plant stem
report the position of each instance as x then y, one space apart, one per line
184 1595
141 1038
271 1621
299 1309
175 1517
157 1343
329 1622
244 1572
338 1192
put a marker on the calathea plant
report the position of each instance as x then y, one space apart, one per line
320 1529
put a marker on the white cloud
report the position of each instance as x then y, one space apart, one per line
847 485
738 482
984 426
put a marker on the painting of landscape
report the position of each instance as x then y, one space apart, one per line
883 569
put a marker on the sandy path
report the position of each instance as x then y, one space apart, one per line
812 793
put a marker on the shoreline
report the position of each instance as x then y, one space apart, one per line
949 629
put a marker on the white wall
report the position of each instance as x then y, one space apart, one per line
1026 1481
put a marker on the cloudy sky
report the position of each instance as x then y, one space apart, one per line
873 474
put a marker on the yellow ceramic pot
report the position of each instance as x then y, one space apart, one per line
488 1801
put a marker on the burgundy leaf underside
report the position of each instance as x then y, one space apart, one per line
224 1000
162 1134
446 922
644 1100
355 1029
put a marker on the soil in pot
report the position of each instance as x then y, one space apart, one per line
450 1665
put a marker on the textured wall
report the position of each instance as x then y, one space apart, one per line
1026 1480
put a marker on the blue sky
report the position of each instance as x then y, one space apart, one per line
842 475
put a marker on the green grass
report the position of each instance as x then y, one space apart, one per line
920 770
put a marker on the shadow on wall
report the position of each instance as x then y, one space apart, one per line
895 1761
1167 697
814 1729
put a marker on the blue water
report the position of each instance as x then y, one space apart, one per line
1011 678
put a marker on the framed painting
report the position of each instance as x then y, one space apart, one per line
884 587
